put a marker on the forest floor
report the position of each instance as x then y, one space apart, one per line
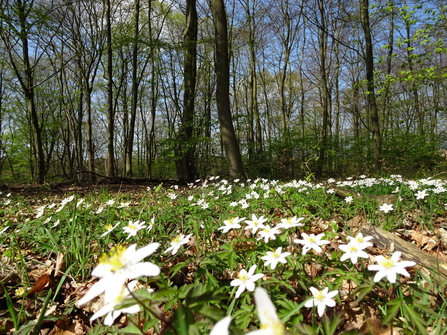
422 225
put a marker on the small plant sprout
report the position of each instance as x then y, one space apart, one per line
255 223
311 242
246 280
221 327
270 322
321 299
110 310
290 223
177 242
133 227
389 267
274 257
353 251
268 233
116 267
231 223
386 208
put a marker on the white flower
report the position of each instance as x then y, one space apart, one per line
268 233
151 224
172 196
246 280
274 257
386 208
109 228
56 223
221 327
311 242
421 194
110 310
233 204
124 204
349 199
99 210
390 266
118 266
352 251
290 223
39 211
231 223
177 242
110 202
321 299
133 227
255 223
362 242
270 322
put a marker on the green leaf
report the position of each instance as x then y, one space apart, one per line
415 319
392 312
361 291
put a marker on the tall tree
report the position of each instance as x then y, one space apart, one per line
184 148
227 132
110 105
20 19
371 94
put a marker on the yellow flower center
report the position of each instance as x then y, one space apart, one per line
319 296
311 240
114 259
275 254
352 248
177 239
243 276
132 226
108 227
387 263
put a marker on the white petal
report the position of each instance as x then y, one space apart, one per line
141 269
265 307
240 290
97 288
146 251
256 277
102 311
321 308
221 327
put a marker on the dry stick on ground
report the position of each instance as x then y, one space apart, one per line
385 239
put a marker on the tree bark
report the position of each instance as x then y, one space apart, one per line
371 95
184 148
223 92
110 109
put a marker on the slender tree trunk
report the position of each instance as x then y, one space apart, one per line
371 95
325 98
222 91
135 84
184 148
110 109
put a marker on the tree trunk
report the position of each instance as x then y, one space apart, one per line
371 95
135 84
222 91
110 109
325 98
184 148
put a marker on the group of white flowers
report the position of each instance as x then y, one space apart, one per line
123 264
